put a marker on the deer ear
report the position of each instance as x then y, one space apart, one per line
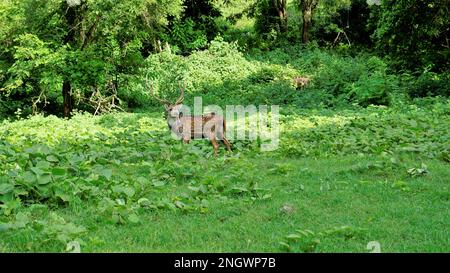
166 107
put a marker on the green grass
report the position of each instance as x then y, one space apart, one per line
137 190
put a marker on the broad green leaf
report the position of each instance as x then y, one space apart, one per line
73 247
58 171
194 189
43 165
4 226
179 204
30 177
44 179
64 196
133 218
52 158
144 202
106 173
37 170
6 188
293 236
129 191
158 183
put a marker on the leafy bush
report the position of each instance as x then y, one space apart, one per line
339 80
373 89
267 22
431 84
421 131
414 34
9 108
338 16
223 75
185 38
51 44
195 27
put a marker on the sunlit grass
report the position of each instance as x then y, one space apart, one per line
134 188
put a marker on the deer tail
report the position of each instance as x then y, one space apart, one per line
224 127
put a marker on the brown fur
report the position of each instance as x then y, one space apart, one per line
216 129
185 125
301 82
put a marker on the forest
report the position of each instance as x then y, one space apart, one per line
90 91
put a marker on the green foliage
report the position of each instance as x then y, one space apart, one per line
430 84
373 89
126 166
415 33
203 13
105 60
84 45
414 172
267 19
195 27
411 130
35 63
307 241
222 75
351 17
70 164
185 37
381 137
337 80
53 229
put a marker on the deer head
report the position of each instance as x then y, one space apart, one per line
173 110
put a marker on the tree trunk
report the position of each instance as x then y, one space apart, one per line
70 14
280 6
66 92
308 7
306 26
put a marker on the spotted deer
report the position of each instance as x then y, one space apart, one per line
301 82
209 125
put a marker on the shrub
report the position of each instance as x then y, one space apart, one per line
431 84
223 75
370 89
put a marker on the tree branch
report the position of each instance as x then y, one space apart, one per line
90 33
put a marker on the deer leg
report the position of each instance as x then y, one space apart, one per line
221 136
227 143
214 144
186 140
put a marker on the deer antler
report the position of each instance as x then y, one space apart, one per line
152 92
181 98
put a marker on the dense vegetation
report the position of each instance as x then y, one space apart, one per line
86 159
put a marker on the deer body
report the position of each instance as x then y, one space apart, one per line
301 82
210 125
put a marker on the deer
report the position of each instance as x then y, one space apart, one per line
209 125
301 82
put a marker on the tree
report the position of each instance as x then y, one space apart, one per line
71 11
307 7
195 27
280 7
57 51
415 34
271 15
343 20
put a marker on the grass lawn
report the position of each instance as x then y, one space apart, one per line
120 184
